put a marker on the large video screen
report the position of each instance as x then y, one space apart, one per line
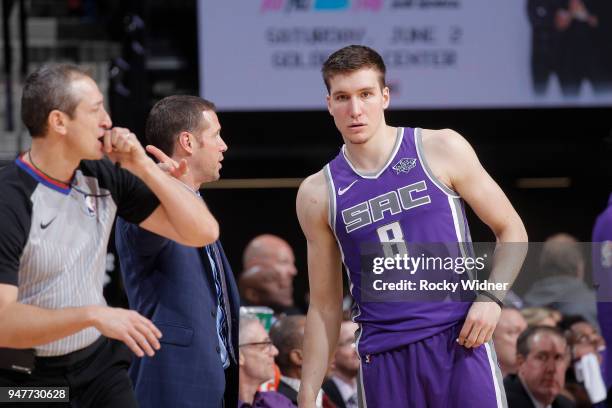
267 54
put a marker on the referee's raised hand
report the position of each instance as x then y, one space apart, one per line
136 331
122 146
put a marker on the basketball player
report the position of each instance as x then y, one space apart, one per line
429 354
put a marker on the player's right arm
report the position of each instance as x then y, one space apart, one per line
325 278
27 326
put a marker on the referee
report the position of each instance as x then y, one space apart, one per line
58 202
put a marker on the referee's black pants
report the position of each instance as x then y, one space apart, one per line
96 376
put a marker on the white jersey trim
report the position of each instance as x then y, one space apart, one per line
331 219
499 395
418 143
398 142
361 399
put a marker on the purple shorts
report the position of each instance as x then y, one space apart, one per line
433 373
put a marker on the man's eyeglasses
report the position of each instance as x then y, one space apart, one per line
266 345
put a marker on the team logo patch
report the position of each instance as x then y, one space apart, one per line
90 205
606 254
404 165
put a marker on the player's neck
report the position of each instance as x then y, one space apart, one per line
371 156
50 157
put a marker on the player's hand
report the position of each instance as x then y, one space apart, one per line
479 324
136 331
122 146
167 164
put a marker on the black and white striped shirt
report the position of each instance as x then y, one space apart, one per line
54 237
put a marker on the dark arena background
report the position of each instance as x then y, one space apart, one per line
554 163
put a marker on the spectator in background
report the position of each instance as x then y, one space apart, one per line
256 366
542 358
511 325
602 279
584 378
341 387
555 315
540 316
582 336
287 334
268 273
562 287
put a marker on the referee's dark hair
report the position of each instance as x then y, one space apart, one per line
173 115
47 89
523 344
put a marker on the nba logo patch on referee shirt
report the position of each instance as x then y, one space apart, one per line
90 205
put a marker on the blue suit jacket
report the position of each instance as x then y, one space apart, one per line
172 285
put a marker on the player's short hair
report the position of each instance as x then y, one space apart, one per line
523 343
287 334
173 115
47 89
353 58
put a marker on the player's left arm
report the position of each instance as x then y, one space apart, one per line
457 165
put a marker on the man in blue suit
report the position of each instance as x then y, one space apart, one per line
189 293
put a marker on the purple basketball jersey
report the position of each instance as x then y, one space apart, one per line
402 202
602 275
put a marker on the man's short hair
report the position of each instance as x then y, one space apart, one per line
287 334
46 89
173 115
535 315
568 321
246 320
523 344
353 58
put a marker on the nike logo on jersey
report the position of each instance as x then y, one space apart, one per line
43 225
341 191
